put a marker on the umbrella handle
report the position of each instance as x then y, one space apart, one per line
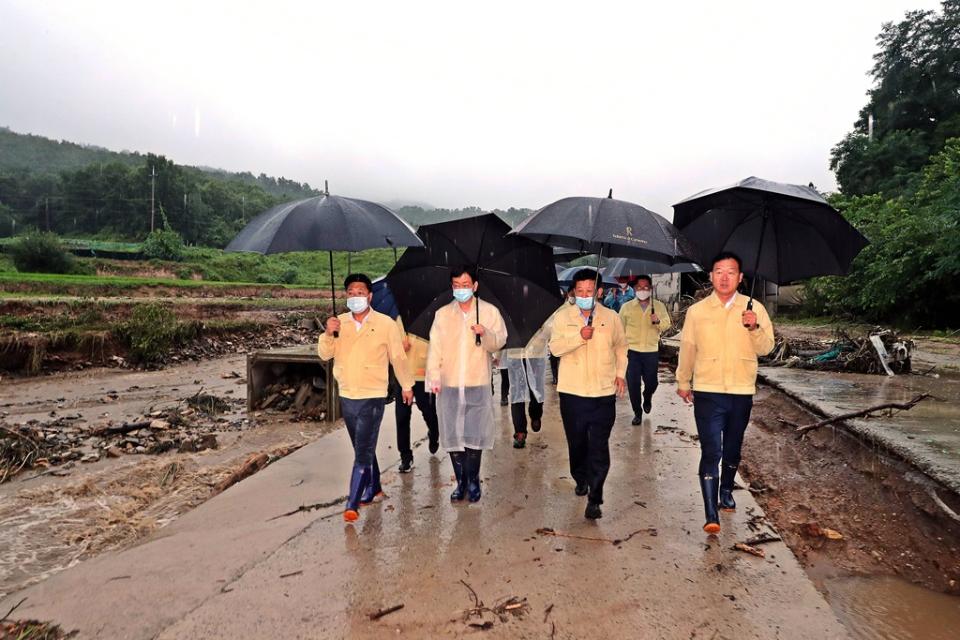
478 320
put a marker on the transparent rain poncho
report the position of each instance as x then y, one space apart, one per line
462 370
527 367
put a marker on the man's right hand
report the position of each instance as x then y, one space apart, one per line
435 389
406 344
333 325
687 395
586 333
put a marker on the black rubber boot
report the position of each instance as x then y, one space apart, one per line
473 475
457 458
709 486
727 474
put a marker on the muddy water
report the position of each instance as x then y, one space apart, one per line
887 608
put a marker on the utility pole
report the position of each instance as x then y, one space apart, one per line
46 207
153 176
243 209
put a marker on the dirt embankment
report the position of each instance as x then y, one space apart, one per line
106 289
883 508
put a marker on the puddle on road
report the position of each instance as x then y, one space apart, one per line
888 608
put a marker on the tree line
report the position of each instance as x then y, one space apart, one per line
899 176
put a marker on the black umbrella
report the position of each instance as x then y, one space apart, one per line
325 223
789 232
515 274
630 267
607 227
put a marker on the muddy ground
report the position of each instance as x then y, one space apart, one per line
831 480
54 516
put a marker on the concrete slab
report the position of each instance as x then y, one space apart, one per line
227 570
927 436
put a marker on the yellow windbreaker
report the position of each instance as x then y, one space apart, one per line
417 356
360 358
717 351
643 335
589 368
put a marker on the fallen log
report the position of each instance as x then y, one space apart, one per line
889 406
120 429
254 463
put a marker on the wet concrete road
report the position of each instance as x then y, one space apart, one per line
226 570
928 436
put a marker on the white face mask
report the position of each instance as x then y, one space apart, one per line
643 294
357 304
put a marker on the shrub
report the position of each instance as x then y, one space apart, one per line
41 253
163 244
152 331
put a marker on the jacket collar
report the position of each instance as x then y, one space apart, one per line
716 302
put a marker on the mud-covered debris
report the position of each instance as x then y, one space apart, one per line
875 352
748 549
383 612
209 404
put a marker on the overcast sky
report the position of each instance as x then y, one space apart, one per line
500 104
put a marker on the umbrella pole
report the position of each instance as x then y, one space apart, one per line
756 264
333 292
596 285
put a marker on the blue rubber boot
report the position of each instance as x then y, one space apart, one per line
709 485
373 490
359 479
727 474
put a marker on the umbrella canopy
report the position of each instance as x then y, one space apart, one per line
383 301
325 223
782 232
630 267
607 227
515 274
563 254
565 277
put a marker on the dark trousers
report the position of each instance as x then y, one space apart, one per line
641 367
520 418
504 385
428 409
721 421
363 424
587 423
555 368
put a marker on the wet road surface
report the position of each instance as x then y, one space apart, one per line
229 569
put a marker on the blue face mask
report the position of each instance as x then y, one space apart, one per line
463 295
357 304
585 303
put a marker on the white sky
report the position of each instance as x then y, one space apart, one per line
494 104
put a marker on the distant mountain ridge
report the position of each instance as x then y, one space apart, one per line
35 153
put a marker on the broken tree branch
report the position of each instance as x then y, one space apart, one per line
12 609
898 406
547 531
383 612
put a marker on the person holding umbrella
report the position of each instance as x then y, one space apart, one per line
464 335
717 372
644 319
618 296
592 347
363 344
416 349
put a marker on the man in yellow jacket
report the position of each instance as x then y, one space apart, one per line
644 319
590 342
717 372
416 349
363 343
463 338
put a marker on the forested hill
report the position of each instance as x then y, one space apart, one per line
37 154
